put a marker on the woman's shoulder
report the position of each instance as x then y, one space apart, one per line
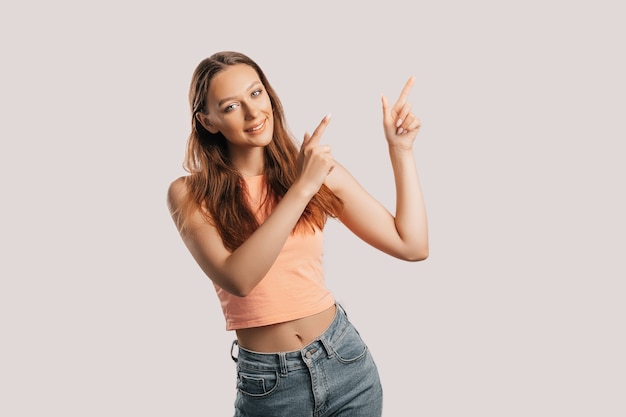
177 192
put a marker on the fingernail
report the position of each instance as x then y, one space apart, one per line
399 122
399 131
327 116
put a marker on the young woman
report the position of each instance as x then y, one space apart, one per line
252 212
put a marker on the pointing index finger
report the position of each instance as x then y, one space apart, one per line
405 91
319 130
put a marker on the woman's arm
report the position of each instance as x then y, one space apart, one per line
238 272
404 235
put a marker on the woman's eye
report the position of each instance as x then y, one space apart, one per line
230 107
256 93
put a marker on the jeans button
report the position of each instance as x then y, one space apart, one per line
310 353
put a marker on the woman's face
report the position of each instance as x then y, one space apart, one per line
239 107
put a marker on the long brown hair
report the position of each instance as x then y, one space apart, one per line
217 189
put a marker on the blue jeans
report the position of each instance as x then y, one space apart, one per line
334 375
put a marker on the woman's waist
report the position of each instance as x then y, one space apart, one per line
287 336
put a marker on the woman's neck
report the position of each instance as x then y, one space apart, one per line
249 164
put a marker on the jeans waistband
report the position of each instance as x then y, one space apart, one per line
297 359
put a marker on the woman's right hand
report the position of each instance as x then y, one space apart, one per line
315 161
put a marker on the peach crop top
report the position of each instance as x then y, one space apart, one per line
293 287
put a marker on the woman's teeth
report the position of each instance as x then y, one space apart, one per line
259 127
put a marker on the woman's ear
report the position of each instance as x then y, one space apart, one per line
205 122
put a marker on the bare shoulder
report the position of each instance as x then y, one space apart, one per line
176 193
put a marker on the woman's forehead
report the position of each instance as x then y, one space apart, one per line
233 81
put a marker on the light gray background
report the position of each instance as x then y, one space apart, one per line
519 310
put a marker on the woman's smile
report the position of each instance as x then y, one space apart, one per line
257 129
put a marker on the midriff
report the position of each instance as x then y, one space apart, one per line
288 336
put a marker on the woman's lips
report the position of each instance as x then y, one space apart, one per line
258 128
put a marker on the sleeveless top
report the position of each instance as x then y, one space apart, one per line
293 287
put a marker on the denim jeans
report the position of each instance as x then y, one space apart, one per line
334 375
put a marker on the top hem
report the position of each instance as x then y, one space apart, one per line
279 319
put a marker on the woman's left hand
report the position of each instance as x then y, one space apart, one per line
400 125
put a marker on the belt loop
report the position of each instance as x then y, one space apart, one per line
342 309
232 347
283 364
327 348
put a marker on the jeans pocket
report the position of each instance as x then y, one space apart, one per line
257 383
350 347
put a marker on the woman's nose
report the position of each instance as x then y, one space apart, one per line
251 111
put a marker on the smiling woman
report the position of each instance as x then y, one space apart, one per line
243 115
252 213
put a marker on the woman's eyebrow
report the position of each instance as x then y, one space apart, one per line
219 103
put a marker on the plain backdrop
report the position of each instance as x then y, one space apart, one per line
519 310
